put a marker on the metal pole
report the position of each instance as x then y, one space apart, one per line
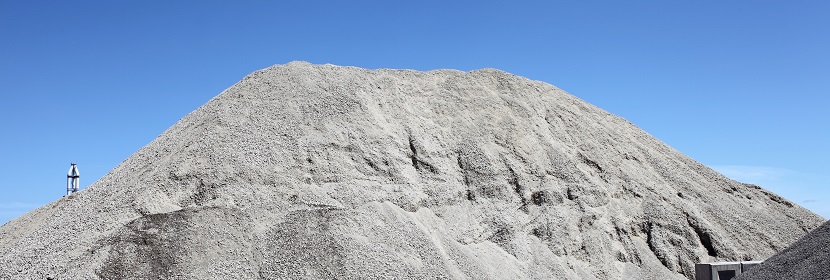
72 179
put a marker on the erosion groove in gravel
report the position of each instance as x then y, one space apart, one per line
308 171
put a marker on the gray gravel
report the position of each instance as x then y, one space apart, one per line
807 258
304 171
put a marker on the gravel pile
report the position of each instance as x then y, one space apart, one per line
304 171
807 258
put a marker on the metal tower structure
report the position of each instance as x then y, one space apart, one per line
72 179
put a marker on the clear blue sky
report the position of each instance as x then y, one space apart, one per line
741 86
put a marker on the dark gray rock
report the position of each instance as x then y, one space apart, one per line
807 258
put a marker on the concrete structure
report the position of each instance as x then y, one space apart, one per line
722 270
747 265
73 178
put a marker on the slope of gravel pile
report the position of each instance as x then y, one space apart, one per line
308 171
807 258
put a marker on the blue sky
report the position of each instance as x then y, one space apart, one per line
741 86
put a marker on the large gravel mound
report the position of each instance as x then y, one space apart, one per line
304 171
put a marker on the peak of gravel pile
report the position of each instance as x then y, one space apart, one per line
304 171
807 258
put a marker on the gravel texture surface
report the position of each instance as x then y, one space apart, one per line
807 258
304 171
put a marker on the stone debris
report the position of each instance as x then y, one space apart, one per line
304 171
